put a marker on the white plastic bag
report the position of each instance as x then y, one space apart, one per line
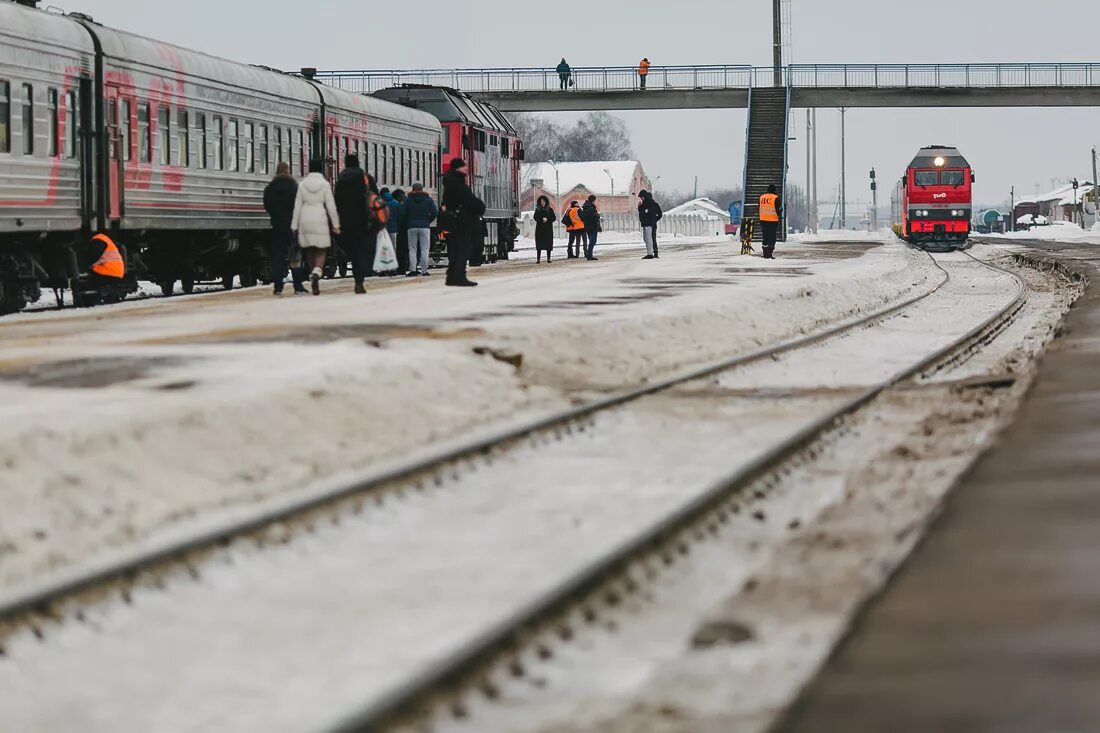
385 256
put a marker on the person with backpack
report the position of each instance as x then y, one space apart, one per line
417 214
649 213
575 226
591 217
352 198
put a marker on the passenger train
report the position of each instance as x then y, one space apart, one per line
483 137
931 204
166 150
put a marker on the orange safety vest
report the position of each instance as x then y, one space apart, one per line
767 207
575 223
110 263
643 68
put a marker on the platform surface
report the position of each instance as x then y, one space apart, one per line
993 625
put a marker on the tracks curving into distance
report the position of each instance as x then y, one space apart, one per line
608 575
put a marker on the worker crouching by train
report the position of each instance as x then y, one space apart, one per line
574 224
105 276
460 215
314 217
770 213
279 197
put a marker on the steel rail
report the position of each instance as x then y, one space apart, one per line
39 597
459 670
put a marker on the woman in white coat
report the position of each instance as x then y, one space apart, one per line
314 215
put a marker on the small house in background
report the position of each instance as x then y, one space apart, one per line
616 184
1062 204
701 207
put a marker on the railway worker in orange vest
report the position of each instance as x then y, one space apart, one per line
575 226
109 265
769 220
643 71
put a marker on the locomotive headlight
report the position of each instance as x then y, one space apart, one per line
939 161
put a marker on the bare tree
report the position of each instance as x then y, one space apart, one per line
598 136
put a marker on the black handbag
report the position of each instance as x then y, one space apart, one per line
447 220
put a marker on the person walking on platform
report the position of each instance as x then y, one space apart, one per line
565 75
544 229
770 212
460 215
401 239
649 213
591 216
417 214
352 200
643 72
575 226
279 199
314 216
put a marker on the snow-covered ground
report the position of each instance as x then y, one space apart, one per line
120 424
1055 232
344 612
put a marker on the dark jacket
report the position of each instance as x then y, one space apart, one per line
351 201
544 228
418 211
279 202
457 197
563 68
590 215
649 211
393 224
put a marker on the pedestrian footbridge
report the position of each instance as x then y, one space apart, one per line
722 86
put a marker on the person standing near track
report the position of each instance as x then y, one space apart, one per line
460 214
279 199
417 214
352 198
314 217
649 213
770 213
544 229
591 216
575 226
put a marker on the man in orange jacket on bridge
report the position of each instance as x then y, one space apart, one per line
643 71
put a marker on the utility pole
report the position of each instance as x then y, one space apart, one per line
843 175
1012 209
817 223
809 169
777 41
695 192
1095 192
874 202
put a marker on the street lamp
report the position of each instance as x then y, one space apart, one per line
557 196
612 179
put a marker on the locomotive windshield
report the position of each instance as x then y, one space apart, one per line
926 178
952 178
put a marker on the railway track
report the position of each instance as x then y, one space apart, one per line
611 576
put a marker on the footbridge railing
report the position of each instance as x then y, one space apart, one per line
731 77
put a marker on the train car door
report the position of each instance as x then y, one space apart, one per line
334 160
114 155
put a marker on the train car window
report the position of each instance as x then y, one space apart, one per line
70 124
952 178
5 117
164 132
112 126
28 119
125 129
446 141
216 129
51 136
145 152
233 146
393 164
183 133
200 130
278 145
504 145
374 159
249 148
926 178
263 149
290 149
301 153
346 150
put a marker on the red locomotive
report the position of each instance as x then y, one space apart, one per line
483 137
931 204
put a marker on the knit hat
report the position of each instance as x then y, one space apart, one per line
458 164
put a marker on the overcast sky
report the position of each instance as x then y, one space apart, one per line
1025 148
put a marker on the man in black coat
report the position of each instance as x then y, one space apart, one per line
462 211
590 215
351 204
279 204
649 213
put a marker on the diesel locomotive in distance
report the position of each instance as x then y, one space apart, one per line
932 203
